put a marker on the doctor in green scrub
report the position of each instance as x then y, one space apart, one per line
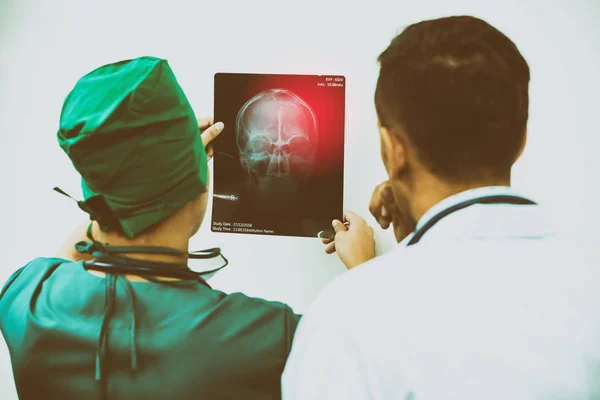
118 314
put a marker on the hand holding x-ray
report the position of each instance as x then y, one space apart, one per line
354 240
210 131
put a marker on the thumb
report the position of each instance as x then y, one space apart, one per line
338 226
211 133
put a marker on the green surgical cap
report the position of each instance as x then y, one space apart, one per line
131 133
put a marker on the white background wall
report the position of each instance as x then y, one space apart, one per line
45 46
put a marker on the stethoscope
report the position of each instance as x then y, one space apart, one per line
418 234
492 199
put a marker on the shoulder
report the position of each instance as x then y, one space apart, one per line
30 273
331 348
256 307
273 318
361 284
250 303
24 283
390 284
440 276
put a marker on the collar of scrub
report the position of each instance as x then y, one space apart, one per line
464 196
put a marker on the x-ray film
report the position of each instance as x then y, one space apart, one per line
279 162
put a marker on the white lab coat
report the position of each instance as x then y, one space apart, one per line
492 303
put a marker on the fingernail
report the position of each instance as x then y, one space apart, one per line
220 126
335 223
384 211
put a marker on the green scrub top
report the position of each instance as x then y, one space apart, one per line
189 341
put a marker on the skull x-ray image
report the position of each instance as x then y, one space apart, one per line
277 138
278 166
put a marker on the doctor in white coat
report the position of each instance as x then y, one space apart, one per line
482 298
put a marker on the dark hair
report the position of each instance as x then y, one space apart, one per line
458 88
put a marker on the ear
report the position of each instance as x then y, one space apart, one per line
393 152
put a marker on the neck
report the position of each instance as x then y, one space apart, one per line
163 237
428 191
